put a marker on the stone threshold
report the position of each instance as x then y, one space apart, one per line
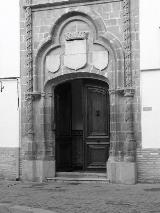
84 180
79 177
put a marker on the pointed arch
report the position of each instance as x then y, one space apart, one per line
95 22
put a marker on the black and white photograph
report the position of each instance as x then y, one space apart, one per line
80 106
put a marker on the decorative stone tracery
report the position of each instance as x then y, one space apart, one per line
129 144
76 35
30 151
127 43
29 68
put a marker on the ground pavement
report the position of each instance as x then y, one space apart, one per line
73 197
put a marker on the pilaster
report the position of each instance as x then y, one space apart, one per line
123 168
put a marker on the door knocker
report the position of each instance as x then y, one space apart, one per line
97 113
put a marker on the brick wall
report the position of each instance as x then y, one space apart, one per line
9 167
148 165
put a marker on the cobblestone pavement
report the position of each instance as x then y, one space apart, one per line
71 197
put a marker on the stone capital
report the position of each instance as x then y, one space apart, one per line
129 92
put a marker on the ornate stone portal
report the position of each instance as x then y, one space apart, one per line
79 44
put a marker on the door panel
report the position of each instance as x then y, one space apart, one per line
96 112
96 155
77 147
96 125
63 127
63 110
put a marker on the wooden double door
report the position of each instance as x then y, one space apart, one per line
94 113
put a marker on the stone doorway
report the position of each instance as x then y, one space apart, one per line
82 125
77 43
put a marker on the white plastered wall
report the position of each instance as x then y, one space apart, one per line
150 109
9 67
9 114
149 34
150 74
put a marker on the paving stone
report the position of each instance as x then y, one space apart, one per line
71 197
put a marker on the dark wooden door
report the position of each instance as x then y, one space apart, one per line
96 125
63 127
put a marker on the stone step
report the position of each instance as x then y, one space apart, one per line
79 177
81 174
63 179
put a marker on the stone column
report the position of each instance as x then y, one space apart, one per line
111 163
49 160
127 168
29 69
41 147
129 144
113 130
50 126
45 165
28 141
122 168
118 169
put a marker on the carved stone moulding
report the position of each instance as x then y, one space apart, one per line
129 92
76 52
125 91
127 42
29 71
56 3
79 35
32 95
95 53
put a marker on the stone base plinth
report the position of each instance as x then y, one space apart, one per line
38 170
121 172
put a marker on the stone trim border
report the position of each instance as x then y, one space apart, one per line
29 68
66 3
127 43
